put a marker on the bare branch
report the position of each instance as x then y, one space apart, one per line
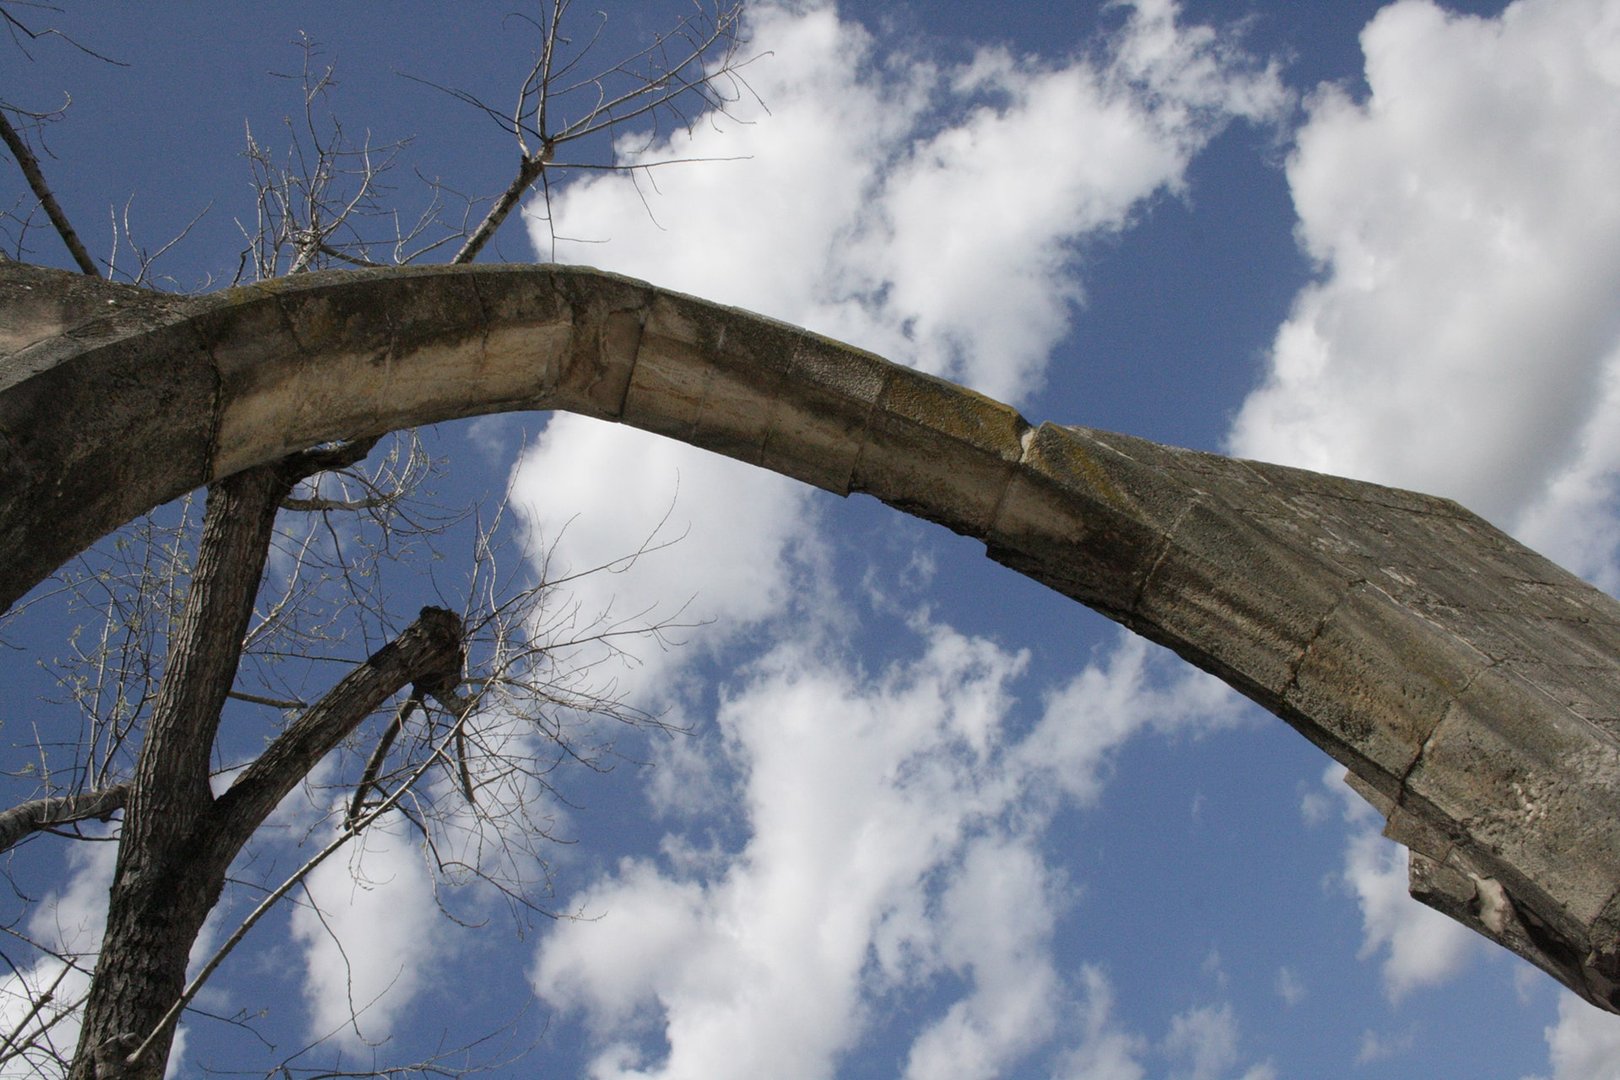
430 651
37 815
529 170
16 26
274 703
124 235
707 57
29 164
368 778
349 832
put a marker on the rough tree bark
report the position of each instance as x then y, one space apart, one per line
178 839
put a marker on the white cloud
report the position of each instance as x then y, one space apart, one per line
726 539
996 918
1202 1044
1376 1047
1417 945
1290 987
1201 74
1585 1043
69 922
1315 807
615 974
1106 1052
1572 520
854 792
1137 686
892 826
366 925
925 211
1463 337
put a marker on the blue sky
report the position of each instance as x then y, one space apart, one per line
934 821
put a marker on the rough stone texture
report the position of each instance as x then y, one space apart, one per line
1472 687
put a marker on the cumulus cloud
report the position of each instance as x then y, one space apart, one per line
1585 1043
1462 338
1106 1052
1377 1047
1136 686
365 924
1202 1044
1416 945
70 923
893 827
923 210
854 792
997 918
1290 987
680 536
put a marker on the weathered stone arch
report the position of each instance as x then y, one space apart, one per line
1470 685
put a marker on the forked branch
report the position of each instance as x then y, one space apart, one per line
695 66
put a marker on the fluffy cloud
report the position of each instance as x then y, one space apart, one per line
1376 1047
1290 987
1106 1052
1136 686
1202 1042
928 212
682 537
70 924
1417 945
1462 337
893 828
854 793
996 918
365 924
1585 1043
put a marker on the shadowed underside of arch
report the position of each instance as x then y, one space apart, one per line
1471 686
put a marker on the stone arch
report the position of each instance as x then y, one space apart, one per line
1469 684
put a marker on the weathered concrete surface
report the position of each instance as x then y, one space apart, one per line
1472 687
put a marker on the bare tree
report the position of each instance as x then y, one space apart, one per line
246 603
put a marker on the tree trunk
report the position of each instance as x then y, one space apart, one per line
166 882
178 841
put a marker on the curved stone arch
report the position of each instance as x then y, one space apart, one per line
1469 684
